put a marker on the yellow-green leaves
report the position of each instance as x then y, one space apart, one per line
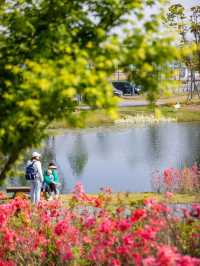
54 52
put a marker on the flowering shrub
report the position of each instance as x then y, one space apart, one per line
177 180
88 232
2 195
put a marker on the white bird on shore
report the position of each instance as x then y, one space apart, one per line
177 106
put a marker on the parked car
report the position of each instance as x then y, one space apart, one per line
117 92
137 89
126 87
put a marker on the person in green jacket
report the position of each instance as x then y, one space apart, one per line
51 181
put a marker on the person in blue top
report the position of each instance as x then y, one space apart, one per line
51 181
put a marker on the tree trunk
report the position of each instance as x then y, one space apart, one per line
12 158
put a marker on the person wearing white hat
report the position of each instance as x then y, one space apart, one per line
36 183
51 181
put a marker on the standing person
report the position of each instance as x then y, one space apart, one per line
35 176
51 181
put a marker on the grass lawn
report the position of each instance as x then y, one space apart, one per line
92 118
96 118
184 114
130 198
134 198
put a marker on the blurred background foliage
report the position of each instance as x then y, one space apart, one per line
53 50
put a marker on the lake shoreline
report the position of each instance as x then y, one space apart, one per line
138 115
138 197
134 197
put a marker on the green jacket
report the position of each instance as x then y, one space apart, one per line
47 179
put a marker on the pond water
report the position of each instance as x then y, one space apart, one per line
121 158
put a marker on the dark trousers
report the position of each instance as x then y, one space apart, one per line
51 188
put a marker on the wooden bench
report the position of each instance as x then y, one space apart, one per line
16 190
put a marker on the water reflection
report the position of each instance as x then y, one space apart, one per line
103 144
122 158
78 156
48 154
154 143
134 148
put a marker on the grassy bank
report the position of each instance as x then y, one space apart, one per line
135 198
129 198
187 113
93 118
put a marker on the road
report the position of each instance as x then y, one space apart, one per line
139 103
130 103
126 102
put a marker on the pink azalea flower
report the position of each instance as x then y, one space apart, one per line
186 213
188 261
90 221
73 235
195 212
122 250
87 240
3 218
61 228
115 262
2 195
68 255
137 259
123 225
169 195
106 226
6 262
150 261
128 239
150 202
137 215
166 256
9 236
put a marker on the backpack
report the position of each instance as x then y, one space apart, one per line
31 172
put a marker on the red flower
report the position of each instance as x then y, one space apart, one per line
87 240
9 236
128 239
106 226
6 262
169 195
68 255
89 222
137 259
115 262
195 212
188 261
137 215
97 202
61 228
122 250
2 195
124 225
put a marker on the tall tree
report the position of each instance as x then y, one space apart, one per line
188 28
52 50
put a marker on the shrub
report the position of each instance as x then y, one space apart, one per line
89 233
184 180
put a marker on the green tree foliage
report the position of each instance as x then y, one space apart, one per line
52 50
151 55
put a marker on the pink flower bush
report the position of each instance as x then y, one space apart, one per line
177 180
86 234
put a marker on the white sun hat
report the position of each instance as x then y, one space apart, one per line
36 154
